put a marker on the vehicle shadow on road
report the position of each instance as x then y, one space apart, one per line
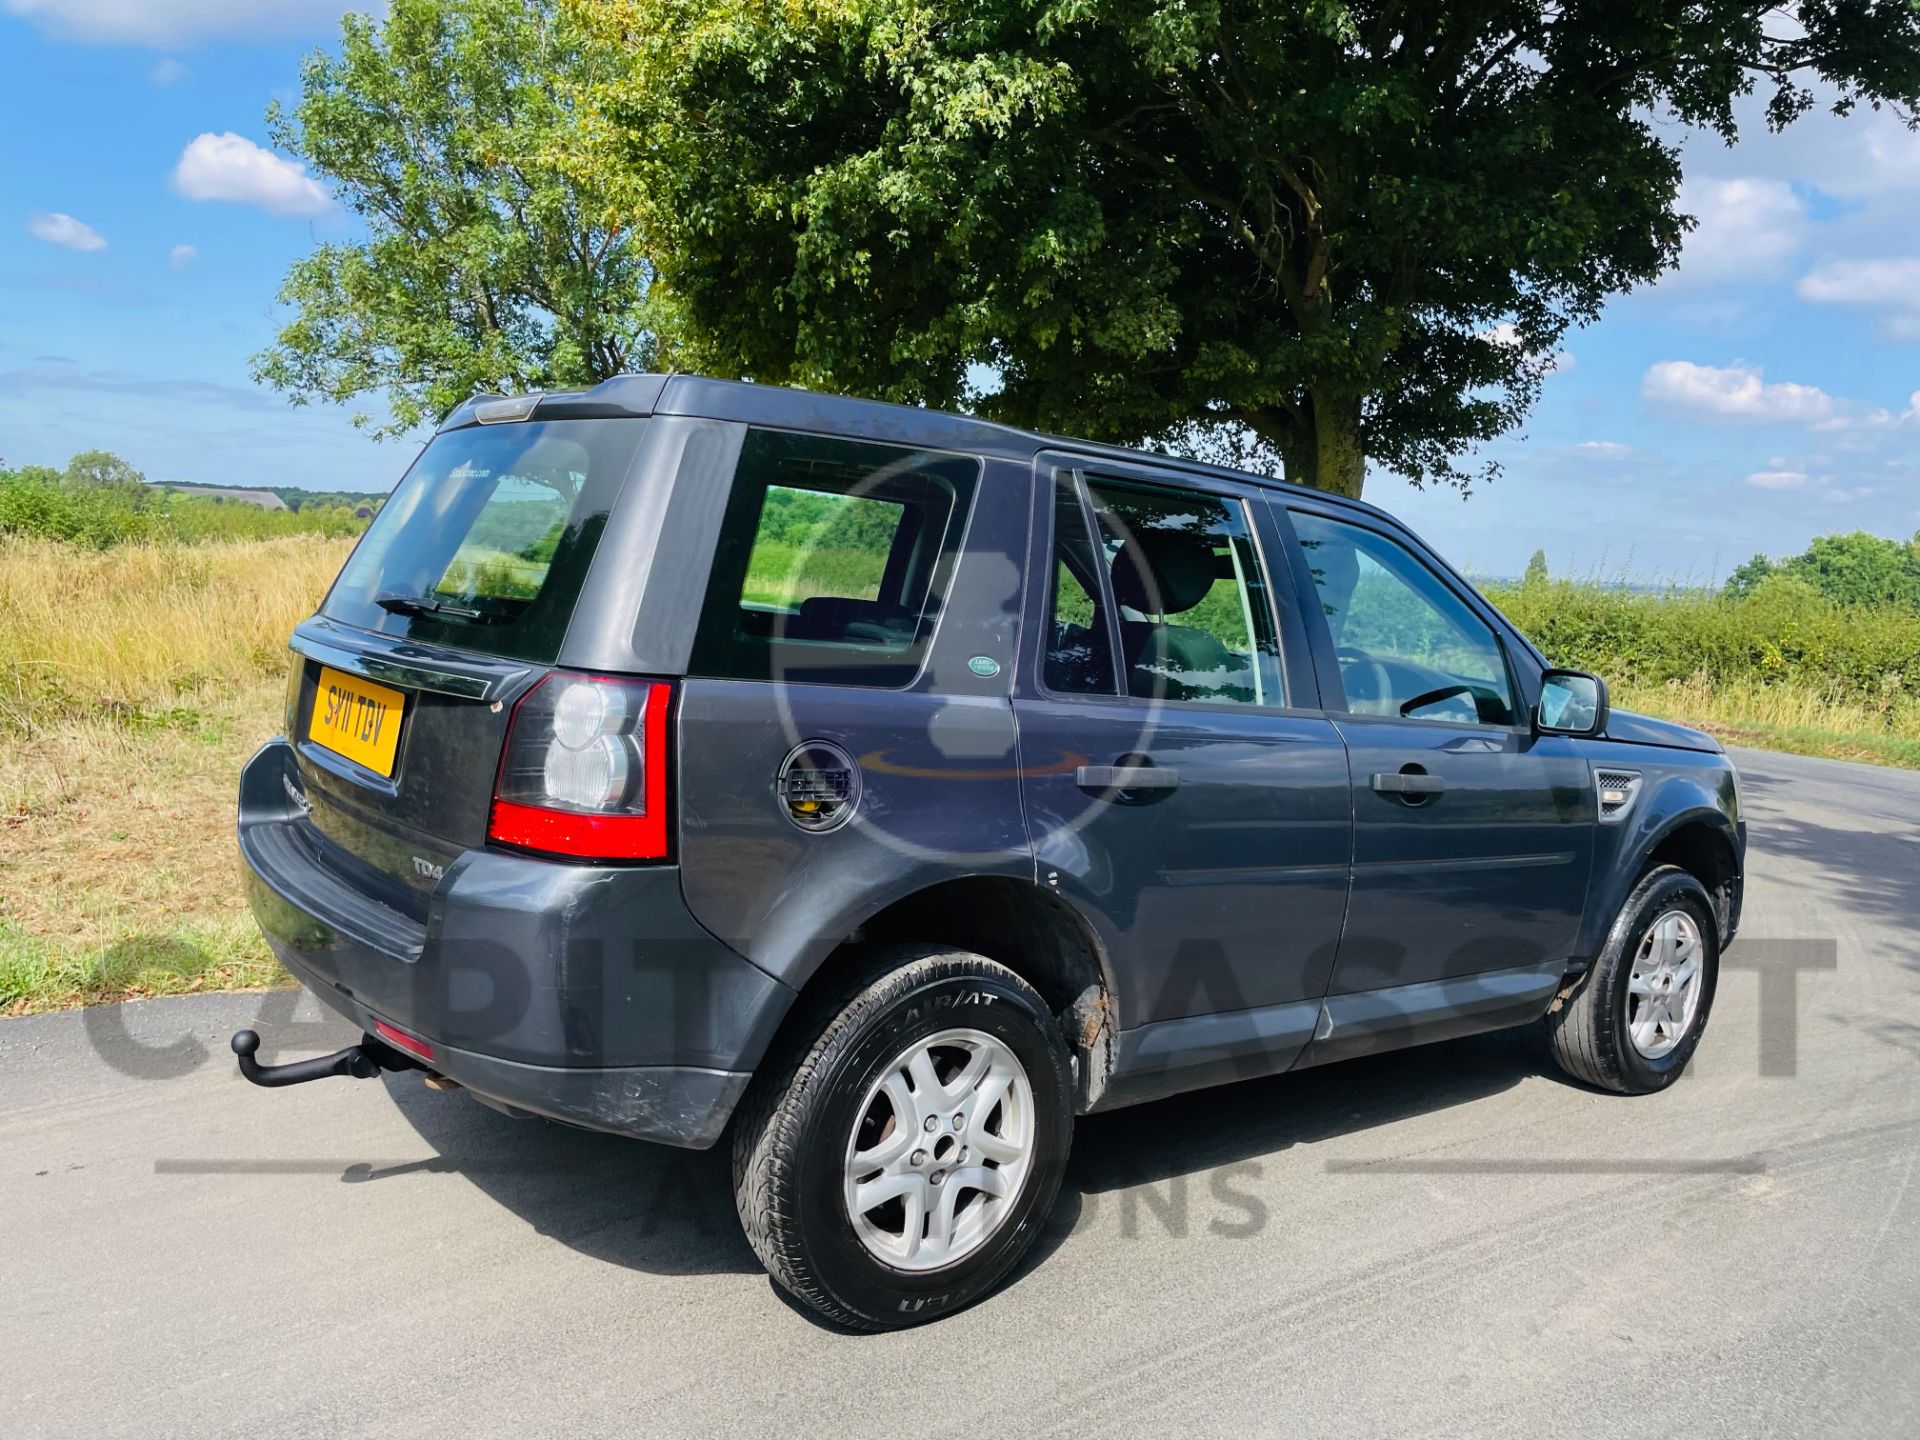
664 1211
646 1207
1139 1152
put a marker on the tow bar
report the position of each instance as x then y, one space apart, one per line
361 1062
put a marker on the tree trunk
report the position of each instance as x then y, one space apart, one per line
1339 458
1319 444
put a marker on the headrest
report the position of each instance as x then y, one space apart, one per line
1162 572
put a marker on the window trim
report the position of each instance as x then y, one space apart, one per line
1050 468
1048 587
1333 684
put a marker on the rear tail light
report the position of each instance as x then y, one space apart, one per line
584 772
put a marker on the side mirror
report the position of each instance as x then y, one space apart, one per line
1572 702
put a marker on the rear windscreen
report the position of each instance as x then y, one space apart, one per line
485 543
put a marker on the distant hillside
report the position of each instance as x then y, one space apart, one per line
265 499
289 497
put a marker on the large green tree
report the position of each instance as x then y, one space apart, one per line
1340 230
482 266
103 470
1853 569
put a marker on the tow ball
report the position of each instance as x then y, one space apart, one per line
361 1062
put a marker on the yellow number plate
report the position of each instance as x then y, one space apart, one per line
357 718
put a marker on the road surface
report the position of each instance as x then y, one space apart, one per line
1449 1241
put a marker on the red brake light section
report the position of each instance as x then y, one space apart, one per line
627 826
400 1040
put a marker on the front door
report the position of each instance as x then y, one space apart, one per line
1473 837
1183 791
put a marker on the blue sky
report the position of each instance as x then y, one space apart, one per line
1767 392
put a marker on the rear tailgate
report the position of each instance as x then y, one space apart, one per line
393 835
453 605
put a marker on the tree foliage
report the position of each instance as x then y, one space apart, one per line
1357 228
483 267
102 470
1855 569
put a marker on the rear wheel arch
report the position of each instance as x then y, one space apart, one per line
1034 933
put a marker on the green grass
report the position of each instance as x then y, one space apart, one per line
783 574
37 973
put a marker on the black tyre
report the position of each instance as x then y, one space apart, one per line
1637 1017
898 1159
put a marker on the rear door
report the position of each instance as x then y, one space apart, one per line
457 598
1181 786
1473 837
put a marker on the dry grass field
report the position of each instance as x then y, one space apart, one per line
134 681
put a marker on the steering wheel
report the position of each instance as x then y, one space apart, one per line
1355 662
1434 697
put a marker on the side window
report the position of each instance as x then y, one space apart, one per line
1407 644
1079 650
1196 619
833 560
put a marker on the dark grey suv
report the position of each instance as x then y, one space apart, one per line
888 788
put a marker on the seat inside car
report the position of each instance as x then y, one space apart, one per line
1157 573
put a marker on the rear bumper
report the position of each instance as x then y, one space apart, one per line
586 994
671 1104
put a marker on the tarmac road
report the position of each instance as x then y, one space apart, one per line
1449 1241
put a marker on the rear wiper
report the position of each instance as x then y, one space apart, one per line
424 605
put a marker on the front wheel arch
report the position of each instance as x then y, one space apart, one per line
1588 1027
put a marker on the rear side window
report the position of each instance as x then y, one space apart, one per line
485 543
1196 621
832 562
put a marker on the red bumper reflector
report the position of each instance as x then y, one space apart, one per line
400 1040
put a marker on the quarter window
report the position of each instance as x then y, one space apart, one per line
1407 644
833 559
1079 646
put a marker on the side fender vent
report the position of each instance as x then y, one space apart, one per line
1618 789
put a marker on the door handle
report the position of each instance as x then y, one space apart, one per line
1126 778
1403 783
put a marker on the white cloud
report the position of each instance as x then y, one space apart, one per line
1861 156
1748 229
1777 479
1891 287
1863 282
232 167
1877 419
1736 392
1602 450
181 256
167 24
168 71
65 231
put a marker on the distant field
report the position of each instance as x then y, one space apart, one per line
135 680
37 505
